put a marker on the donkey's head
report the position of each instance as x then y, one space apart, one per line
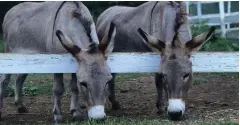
93 72
175 71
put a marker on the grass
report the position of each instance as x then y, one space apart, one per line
198 81
37 84
147 121
128 76
217 74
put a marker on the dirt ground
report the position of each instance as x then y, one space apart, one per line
216 100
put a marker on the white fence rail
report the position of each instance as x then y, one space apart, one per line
222 19
118 62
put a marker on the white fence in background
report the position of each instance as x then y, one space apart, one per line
223 19
118 62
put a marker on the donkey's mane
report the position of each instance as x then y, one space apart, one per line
181 18
93 48
76 13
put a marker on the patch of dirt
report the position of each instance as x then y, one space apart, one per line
216 100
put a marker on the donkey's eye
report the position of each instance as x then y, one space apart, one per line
84 84
186 76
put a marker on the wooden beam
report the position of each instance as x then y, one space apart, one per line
118 62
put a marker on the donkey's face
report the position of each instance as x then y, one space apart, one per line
175 71
93 72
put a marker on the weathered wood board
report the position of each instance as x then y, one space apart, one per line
118 62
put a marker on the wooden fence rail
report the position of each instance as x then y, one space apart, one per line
118 62
222 19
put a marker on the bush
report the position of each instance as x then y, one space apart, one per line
199 27
216 43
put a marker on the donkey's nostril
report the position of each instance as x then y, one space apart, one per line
104 118
175 115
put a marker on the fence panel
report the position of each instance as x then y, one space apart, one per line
222 19
118 62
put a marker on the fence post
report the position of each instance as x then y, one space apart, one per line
222 15
228 13
187 9
199 10
229 7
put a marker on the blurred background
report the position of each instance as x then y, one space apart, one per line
222 14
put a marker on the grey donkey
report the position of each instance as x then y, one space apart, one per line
61 27
161 27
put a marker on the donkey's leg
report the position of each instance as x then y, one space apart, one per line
112 96
5 79
160 101
74 107
18 92
58 89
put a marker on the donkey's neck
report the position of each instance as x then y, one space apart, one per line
156 18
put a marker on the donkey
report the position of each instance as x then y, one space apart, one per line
162 27
61 27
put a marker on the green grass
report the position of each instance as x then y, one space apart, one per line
198 81
37 84
217 74
203 78
147 121
127 76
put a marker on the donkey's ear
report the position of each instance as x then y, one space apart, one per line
68 44
107 43
196 43
152 41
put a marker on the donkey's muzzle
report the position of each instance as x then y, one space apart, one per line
175 115
176 108
97 112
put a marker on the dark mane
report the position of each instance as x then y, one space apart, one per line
181 18
86 23
76 13
93 48
55 17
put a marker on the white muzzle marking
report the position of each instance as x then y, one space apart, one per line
96 112
176 105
